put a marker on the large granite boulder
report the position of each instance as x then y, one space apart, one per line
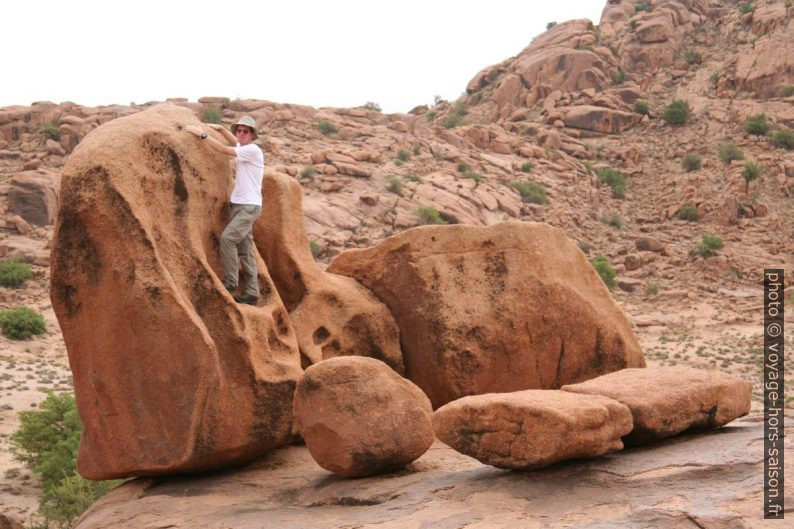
533 428
665 401
333 315
494 309
170 374
358 417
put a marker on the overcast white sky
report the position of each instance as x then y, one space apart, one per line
339 53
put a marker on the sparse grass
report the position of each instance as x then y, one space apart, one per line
605 270
651 288
326 127
729 151
314 248
752 170
757 125
212 114
677 112
464 168
429 215
746 7
530 192
692 57
403 155
51 131
370 105
477 177
642 107
691 162
394 184
709 244
431 115
612 219
309 171
619 77
456 116
21 323
584 246
527 167
14 273
783 138
615 179
642 6
788 91
714 77
687 212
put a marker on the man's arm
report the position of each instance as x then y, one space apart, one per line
230 138
212 142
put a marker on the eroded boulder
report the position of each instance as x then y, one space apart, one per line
533 428
170 374
33 195
502 308
358 417
665 401
333 315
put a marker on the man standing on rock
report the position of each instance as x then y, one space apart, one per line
246 203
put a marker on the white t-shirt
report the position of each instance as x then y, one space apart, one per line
250 168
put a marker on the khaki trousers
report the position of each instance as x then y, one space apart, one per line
238 240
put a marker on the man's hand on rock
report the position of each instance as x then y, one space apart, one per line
195 130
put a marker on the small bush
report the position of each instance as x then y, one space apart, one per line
714 77
394 184
687 212
431 115
326 127
14 273
584 246
783 138
788 91
728 151
413 177
477 177
437 99
212 114
416 150
314 248
605 270
619 77
642 6
612 219
709 244
614 179
642 107
369 105
403 155
530 192
456 116
527 167
691 162
51 131
21 323
429 215
651 288
746 7
309 172
677 112
550 25
692 57
757 125
464 168
68 499
751 171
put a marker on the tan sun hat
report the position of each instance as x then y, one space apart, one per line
249 122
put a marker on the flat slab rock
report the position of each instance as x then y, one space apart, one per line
709 479
533 428
665 401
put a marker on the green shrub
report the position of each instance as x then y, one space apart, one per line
728 151
614 179
527 167
783 138
619 77
326 127
530 192
691 162
687 212
751 171
309 172
14 273
692 57
403 155
429 215
212 114
456 116
633 23
757 125
369 105
651 288
788 91
642 107
464 168
47 441
394 184
714 77
612 219
412 177
677 112
709 244
746 7
51 131
584 246
21 323
477 177
314 248
550 25
642 6
605 270
431 115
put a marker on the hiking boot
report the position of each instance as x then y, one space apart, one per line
246 298
229 289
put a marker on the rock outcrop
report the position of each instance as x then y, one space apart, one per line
665 401
504 308
333 315
532 429
358 417
170 374
33 195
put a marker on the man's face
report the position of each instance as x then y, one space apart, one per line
244 135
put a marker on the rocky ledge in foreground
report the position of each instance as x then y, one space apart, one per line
707 480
